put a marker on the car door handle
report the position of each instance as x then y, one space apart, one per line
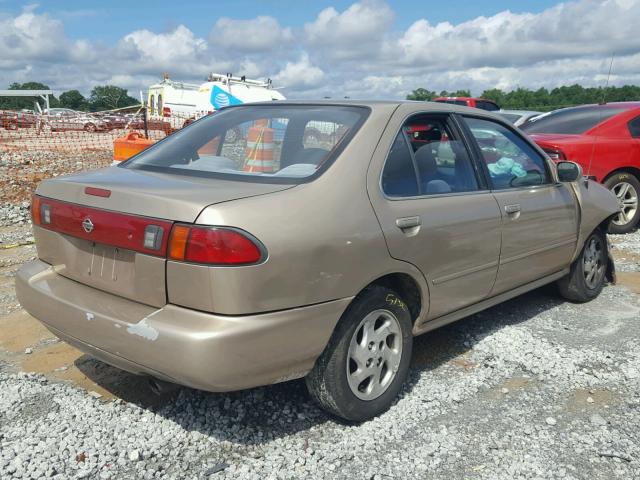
513 208
409 225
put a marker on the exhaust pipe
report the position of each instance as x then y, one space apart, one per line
160 387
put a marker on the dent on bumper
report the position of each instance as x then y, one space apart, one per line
197 349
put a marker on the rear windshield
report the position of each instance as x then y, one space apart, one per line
266 143
571 121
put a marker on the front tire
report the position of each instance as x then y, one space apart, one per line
626 187
366 361
588 272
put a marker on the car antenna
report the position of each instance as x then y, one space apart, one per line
603 102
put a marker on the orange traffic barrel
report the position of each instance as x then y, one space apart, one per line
210 148
259 151
127 146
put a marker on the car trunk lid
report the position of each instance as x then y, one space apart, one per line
99 220
160 195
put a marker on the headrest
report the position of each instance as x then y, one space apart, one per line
426 161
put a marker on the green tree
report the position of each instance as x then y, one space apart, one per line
545 100
422 94
73 99
494 94
108 97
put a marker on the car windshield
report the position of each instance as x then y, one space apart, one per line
265 143
571 121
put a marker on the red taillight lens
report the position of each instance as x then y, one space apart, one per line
212 246
555 154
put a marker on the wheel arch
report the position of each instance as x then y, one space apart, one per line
407 287
632 170
611 266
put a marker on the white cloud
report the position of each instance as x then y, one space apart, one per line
569 30
34 37
299 75
256 35
347 35
164 48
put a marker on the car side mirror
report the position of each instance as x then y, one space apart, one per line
569 171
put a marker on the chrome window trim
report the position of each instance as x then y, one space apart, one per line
435 195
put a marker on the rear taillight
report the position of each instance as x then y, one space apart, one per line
213 246
555 154
166 112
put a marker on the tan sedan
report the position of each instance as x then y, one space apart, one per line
224 262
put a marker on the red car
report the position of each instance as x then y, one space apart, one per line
605 140
470 102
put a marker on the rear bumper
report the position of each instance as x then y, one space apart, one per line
192 348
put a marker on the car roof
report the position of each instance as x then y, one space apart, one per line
375 104
520 112
624 105
464 98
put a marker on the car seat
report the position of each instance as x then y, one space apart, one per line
428 169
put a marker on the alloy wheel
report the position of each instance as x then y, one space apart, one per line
374 354
593 262
628 201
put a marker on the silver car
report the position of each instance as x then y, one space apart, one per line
61 119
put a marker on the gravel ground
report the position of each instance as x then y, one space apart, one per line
20 171
627 250
533 388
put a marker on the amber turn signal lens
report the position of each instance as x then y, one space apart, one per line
35 210
178 242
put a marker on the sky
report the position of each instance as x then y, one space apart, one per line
336 48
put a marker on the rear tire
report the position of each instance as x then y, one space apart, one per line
626 188
366 361
90 127
588 272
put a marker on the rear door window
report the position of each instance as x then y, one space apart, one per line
427 158
510 160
